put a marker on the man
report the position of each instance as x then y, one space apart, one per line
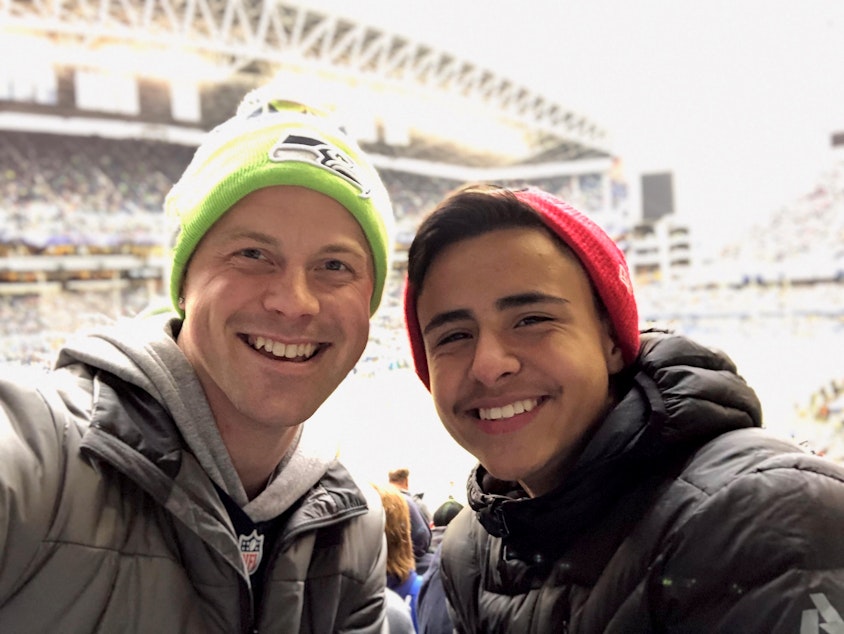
623 482
158 481
420 523
400 478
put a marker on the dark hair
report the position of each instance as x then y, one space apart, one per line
446 512
472 211
467 212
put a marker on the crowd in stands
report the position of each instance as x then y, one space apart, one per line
413 194
828 401
825 406
674 303
34 326
86 194
803 239
83 192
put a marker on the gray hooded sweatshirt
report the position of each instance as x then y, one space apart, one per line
119 502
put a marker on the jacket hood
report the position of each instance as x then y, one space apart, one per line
677 396
139 358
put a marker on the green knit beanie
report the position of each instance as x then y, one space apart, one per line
273 141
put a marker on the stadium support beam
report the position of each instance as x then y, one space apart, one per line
238 34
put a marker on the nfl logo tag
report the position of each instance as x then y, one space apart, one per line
251 549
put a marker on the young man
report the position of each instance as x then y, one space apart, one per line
624 484
157 480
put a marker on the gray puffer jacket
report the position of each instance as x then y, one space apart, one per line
110 521
680 516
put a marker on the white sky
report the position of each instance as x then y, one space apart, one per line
738 98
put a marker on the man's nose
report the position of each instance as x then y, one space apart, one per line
291 294
493 359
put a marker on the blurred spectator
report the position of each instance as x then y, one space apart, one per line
432 607
401 569
420 520
442 516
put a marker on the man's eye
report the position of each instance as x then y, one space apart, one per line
451 338
533 319
336 265
252 254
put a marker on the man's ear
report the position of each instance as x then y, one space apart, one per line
612 351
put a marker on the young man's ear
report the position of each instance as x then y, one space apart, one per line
612 351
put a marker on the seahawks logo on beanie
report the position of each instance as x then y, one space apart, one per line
302 147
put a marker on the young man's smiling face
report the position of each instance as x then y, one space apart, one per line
276 300
519 358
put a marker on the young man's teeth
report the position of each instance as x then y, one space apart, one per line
508 411
287 351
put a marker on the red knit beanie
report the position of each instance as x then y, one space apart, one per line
600 256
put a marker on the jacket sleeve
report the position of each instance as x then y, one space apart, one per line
420 532
460 570
367 612
764 553
31 464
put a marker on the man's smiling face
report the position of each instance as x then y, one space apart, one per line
519 358
276 300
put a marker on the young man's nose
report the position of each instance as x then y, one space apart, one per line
290 293
493 360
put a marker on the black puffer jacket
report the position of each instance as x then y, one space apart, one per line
680 516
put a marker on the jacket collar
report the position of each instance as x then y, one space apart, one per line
678 396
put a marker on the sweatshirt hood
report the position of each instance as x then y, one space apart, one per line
143 352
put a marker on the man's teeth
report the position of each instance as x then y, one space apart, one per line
508 411
285 350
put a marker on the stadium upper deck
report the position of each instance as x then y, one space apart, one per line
220 49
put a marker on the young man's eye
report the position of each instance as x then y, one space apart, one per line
533 319
451 338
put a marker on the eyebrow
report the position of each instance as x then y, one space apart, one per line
447 317
245 237
352 248
510 301
248 234
338 248
525 299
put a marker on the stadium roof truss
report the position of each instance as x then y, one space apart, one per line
255 36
